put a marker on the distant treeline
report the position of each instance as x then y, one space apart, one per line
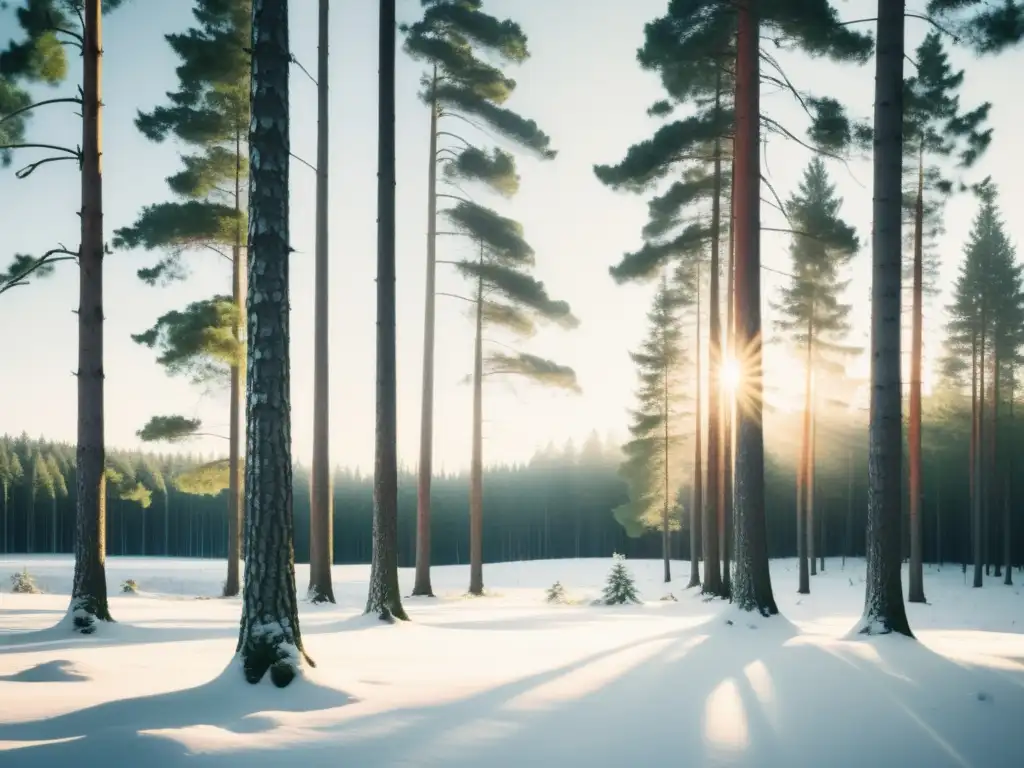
559 505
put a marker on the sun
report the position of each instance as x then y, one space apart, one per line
732 374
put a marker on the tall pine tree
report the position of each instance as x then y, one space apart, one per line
815 317
209 112
460 89
653 462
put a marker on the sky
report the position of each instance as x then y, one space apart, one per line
584 88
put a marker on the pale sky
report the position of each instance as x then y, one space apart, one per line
582 86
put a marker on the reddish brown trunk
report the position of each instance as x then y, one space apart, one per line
728 405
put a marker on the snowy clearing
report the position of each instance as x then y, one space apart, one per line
508 680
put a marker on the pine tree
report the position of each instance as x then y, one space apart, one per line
986 318
620 589
698 50
210 113
505 295
48 25
321 508
555 593
10 474
383 598
988 27
269 637
60 491
653 460
934 127
814 316
452 37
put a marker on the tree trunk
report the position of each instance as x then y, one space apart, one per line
752 585
812 493
712 564
384 598
973 448
89 590
1007 532
476 470
269 636
422 585
666 542
938 522
697 503
848 533
979 442
167 520
915 589
810 529
53 525
803 531
321 508
729 403
884 611
237 395
991 499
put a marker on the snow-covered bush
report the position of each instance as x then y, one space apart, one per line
24 584
556 593
129 586
620 588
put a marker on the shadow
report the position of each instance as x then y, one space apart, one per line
58 671
33 612
121 731
62 636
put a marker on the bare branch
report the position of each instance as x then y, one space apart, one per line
28 169
30 107
50 257
308 165
454 296
298 64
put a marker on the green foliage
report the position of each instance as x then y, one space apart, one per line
12 129
171 429
122 482
129 586
205 480
198 342
523 291
555 593
990 27
502 237
22 265
497 170
988 297
536 369
653 460
24 583
620 588
822 246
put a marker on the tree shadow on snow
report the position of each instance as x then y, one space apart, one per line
57 671
118 731
62 636
716 694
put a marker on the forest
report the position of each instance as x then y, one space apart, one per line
726 466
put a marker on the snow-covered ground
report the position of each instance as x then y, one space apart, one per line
507 680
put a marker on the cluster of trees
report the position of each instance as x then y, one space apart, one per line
234 91
702 168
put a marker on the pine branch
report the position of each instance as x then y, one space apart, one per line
50 257
30 107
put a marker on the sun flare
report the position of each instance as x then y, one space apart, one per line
732 374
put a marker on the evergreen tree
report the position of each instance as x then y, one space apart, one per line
269 637
555 593
652 464
815 318
321 510
383 597
620 589
934 127
10 474
48 25
451 38
986 318
988 27
59 491
505 296
209 112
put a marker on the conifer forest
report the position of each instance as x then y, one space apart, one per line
469 360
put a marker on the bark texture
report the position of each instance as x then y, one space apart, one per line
915 575
269 637
384 598
751 584
237 396
884 611
422 585
321 509
804 535
728 404
89 589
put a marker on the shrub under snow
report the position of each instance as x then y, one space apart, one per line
23 583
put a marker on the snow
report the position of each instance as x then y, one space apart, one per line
510 680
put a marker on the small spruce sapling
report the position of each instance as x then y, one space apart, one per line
556 593
129 586
23 583
621 588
